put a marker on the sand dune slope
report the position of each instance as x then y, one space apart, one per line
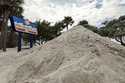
77 56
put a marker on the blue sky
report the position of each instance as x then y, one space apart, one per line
92 10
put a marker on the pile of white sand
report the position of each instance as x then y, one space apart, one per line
77 56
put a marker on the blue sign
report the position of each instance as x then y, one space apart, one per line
25 26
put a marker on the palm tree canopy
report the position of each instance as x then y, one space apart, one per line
68 20
12 6
11 2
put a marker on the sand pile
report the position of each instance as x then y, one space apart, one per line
77 56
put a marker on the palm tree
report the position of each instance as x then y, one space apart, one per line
68 21
8 8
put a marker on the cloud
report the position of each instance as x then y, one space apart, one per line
55 10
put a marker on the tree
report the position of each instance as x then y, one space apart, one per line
43 31
114 29
47 32
8 8
85 24
58 27
67 21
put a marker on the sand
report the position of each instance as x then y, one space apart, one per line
77 56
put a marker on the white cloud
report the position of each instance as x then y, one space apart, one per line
55 10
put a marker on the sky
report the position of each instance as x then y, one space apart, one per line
94 11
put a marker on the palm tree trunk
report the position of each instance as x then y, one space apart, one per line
121 39
67 28
4 30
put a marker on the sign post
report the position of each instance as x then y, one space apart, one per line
19 41
31 40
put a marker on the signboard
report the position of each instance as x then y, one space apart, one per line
25 26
